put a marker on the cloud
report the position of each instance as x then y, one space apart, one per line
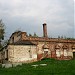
30 14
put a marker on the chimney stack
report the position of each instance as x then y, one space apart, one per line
44 30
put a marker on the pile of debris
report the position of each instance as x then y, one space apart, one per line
8 65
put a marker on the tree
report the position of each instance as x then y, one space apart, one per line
2 32
62 37
58 37
5 42
30 35
35 35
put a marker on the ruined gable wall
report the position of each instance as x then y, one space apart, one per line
14 38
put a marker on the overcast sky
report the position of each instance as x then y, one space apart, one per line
29 15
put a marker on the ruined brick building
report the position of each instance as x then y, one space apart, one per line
23 48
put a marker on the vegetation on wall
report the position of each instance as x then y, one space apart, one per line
34 35
64 37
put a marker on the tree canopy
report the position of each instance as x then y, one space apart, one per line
2 32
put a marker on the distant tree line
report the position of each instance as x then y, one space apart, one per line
64 37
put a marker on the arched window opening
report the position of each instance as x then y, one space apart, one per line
65 52
65 48
57 52
45 51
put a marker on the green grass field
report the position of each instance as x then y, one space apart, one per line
53 67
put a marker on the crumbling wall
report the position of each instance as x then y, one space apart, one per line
22 53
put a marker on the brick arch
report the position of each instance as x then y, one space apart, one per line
46 51
45 46
57 50
65 46
57 46
73 46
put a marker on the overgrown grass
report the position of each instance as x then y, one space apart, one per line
53 67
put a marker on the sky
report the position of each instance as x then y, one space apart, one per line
29 15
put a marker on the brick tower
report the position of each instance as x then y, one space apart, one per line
44 30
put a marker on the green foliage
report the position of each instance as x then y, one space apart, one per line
35 35
53 67
1 46
58 37
2 30
70 38
67 38
5 43
30 35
